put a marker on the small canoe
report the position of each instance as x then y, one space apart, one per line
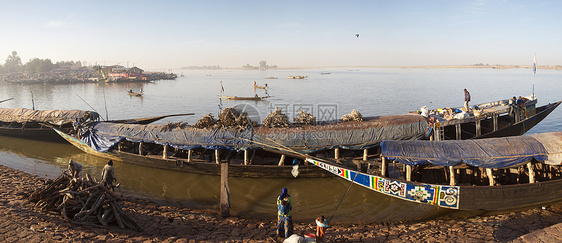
296 77
244 97
131 93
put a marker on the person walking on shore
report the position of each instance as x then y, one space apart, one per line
284 219
75 169
108 174
466 99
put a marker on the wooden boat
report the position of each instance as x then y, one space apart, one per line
132 93
324 72
270 77
186 161
491 119
345 139
38 124
244 97
296 77
483 174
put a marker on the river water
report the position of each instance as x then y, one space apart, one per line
371 91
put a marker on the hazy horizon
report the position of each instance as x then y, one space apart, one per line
230 34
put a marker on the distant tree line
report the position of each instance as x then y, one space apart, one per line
13 64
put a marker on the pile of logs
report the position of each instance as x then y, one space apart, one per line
305 118
228 118
206 122
354 116
82 201
276 119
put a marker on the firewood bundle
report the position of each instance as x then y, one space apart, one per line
233 118
354 116
206 122
276 119
82 201
305 118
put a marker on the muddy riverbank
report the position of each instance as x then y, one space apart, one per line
20 221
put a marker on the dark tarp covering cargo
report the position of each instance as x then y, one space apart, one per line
348 135
52 117
103 135
491 153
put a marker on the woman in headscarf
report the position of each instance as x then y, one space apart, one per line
284 219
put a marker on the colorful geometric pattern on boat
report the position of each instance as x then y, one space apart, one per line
443 196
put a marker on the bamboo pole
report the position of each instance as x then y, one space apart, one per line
452 179
165 152
490 177
495 120
365 154
458 131
217 156
189 152
383 167
282 160
531 172
408 173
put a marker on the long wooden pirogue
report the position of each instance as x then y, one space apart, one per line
255 151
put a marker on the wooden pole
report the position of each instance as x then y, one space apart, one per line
458 131
337 153
452 179
383 167
490 177
531 172
189 155
478 127
165 152
495 121
246 158
225 191
365 154
282 160
140 148
408 173
217 156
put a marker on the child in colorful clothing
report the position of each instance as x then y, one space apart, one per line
321 226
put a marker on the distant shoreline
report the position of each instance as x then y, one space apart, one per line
557 67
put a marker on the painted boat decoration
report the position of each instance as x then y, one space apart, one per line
440 195
483 174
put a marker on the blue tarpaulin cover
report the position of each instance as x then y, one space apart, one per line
487 153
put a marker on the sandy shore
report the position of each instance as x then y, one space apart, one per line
20 221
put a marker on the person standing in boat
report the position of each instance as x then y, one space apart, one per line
466 99
284 219
108 174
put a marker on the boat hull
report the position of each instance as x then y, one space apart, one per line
207 168
485 198
522 127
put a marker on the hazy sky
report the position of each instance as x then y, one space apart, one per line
173 34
